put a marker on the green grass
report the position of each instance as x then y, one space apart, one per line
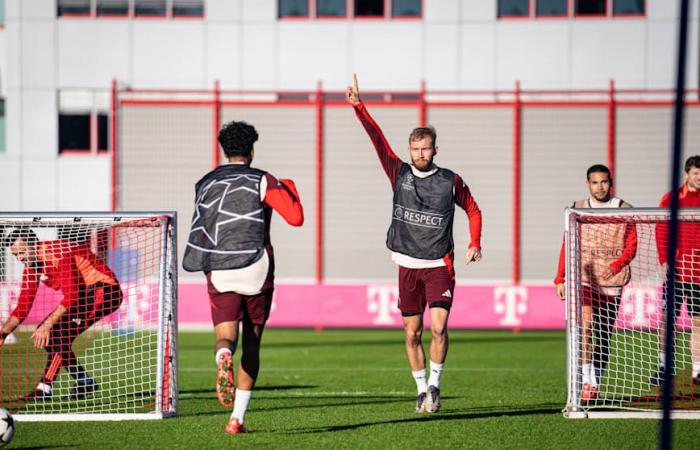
352 389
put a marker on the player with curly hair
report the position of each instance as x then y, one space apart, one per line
230 242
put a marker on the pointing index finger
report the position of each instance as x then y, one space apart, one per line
354 81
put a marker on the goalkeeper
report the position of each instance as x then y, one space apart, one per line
90 292
606 252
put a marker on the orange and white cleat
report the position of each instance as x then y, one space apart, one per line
589 392
225 384
235 427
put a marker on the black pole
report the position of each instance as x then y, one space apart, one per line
666 427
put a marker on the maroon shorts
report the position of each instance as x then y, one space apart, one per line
418 287
232 306
591 297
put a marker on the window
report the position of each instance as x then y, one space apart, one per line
73 7
331 8
628 7
373 9
369 8
549 8
406 8
112 7
2 125
188 8
83 132
513 8
591 7
570 9
149 8
131 8
293 8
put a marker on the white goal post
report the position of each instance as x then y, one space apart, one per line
113 354
615 324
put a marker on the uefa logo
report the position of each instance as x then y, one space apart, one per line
398 211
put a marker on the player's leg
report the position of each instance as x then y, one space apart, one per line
589 390
412 304
256 311
657 376
604 316
692 295
439 285
226 312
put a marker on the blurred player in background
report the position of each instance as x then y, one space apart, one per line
230 242
90 292
420 238
687 285
606 252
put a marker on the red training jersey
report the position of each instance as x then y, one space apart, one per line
688 250
64 266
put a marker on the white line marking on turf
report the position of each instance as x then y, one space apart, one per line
267 394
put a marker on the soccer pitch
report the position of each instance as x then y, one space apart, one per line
352 389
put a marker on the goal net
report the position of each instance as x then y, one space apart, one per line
616 290
102 289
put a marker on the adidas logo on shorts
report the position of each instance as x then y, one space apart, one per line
447 294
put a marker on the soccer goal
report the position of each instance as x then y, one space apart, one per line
615 322
112 354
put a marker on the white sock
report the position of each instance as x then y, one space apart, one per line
220 352
419 376
662 360
594 377
696 369
586 373
435 374
240 404
44 387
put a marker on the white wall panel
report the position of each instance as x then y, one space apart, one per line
259 56
534 52
38 57
260 11
388 63
442 52
10 183
168 54
441 10
83 183
96 61
223 58
478 56
39 187
303 58
477 10
601 50
223 10
39 126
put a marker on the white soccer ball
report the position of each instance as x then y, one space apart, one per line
7 427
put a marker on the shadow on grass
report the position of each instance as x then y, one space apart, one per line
445 417
257 389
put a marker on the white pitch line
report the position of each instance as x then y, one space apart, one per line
266 394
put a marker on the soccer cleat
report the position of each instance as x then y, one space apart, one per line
432 403
36 395
589 392
82 388
225 385
235 427
420 402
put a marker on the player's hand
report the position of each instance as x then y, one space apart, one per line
607 274
473 254
41 336
352 93
561 291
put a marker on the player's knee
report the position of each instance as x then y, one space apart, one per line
438 332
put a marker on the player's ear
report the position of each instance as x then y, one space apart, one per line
435 150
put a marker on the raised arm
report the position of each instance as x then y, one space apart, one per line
388 159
